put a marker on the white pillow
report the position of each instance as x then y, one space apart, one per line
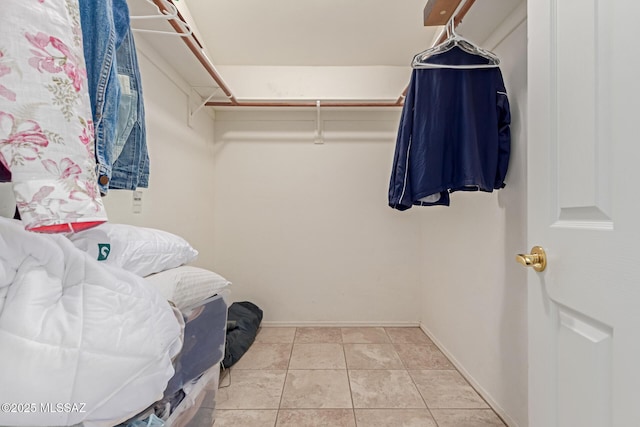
187 285
140 250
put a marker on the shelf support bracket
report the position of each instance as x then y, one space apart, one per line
200 104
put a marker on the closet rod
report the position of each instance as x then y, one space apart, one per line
304 104
443 36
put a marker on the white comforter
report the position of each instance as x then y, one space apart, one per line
80 341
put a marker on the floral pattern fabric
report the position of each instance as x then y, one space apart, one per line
46 128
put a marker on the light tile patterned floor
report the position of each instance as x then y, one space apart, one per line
352 377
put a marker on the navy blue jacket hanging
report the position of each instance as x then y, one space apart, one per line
454 133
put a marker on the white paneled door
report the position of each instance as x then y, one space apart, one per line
584 210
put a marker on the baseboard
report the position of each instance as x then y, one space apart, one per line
484 393
340 324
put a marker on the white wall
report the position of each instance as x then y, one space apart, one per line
303 230
180 194
374 83
474 300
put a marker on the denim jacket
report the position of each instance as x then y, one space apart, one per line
131 165
105 31
99 37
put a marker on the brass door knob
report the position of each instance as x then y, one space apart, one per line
536 259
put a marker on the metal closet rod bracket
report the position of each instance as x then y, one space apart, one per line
319 137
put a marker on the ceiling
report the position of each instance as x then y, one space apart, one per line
327 32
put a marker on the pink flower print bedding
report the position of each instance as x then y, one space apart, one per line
46 130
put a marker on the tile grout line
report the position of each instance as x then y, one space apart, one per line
406 368
414 383
431 343
423 399
346 367
455 368
346 371
286 374
481 397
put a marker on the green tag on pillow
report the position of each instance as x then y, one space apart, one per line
103 251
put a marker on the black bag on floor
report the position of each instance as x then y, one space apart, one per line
243 322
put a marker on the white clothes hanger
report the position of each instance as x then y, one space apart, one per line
454 40
167 16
